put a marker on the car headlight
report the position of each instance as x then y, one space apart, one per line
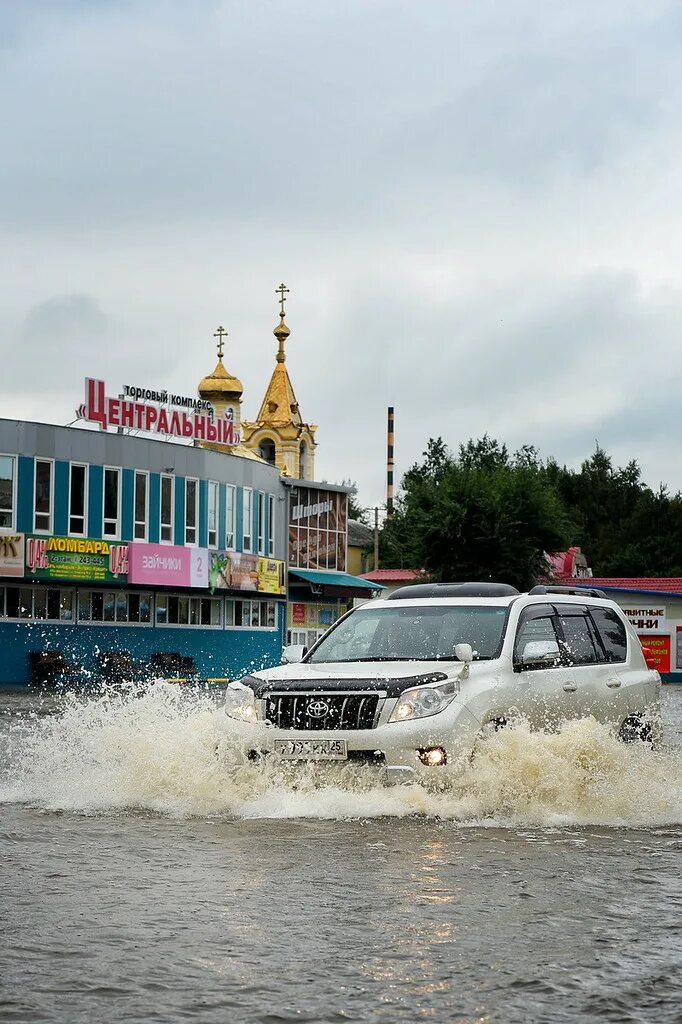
423 701
243 705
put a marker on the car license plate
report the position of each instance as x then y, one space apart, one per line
314 750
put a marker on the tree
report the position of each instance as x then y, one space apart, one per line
480 516
355 510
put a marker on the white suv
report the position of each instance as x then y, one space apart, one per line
412 681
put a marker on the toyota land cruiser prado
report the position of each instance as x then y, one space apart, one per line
412 681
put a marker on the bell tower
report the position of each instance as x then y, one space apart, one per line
224 392
278 434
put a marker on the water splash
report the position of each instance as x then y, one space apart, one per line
175 752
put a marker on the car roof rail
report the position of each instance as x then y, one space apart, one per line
453 590
576 591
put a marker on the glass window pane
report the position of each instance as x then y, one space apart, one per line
195 611
26 602
77 500
109 606
612 633
83 605
161 609
6 492
39 603
121 607
53 604
111 502
66 605
97 606
43 495
145 607
183 611
140 506
133 607
229 613
173 610
215 611
167 508
12 602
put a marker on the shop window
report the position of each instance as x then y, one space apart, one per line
167 489
115 606
112 502
229 517
7 491
52 603
140 505
212 514
182 610
191 510
43 489
254 614
78 494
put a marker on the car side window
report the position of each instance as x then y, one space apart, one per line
539 627
578 644
612 632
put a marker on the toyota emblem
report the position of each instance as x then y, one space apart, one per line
318 708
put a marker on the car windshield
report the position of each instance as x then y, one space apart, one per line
400 633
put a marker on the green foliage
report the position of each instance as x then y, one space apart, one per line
488 514
355 509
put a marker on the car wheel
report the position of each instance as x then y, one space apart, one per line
635 729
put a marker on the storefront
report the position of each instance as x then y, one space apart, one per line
113 543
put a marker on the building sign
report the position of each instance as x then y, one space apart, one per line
648 620
75 558
155 418
660 649
167 565
229 570
318 529
11 553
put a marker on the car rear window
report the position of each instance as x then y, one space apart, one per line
612 632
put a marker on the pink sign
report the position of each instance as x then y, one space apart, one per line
167 565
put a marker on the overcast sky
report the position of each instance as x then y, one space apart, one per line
476 205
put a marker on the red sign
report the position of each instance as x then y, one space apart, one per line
298 614
660 649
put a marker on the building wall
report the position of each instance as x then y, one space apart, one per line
225 651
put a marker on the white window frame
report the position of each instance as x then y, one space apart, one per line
13 509
137 522
86 484
247 520
50 513
192 543
31 617
189 624
261 604
271 525
171 524
230 516
213 488
260 521
105 520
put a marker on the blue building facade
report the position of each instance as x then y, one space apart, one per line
113 543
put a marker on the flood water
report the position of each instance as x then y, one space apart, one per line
145 876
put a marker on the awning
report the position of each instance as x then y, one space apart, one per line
344 580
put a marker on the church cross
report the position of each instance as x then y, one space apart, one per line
282 291
220 334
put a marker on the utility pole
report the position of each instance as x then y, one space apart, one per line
376 538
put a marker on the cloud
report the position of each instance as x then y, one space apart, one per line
476 206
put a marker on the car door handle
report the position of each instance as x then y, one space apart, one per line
570 687
613 683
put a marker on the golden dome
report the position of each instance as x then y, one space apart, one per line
220 382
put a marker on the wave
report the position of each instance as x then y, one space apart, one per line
174 752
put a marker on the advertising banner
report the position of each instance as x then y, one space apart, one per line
11 553
648 619
229 570
659 647
167 565
76 558
318 527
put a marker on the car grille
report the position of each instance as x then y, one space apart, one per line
317 711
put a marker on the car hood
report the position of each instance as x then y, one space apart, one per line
392 676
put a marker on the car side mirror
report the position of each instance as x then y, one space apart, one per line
537 653
294 653
464 652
